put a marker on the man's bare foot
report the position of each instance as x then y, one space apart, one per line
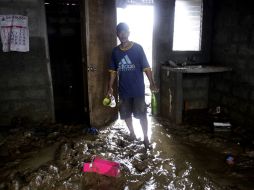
132 137
146 143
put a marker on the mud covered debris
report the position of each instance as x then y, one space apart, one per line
186 156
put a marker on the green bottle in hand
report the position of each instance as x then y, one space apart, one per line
154 104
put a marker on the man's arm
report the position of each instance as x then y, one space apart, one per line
149 75
112 78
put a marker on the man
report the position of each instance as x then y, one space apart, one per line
129 62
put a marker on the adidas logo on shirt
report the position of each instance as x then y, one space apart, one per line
125 64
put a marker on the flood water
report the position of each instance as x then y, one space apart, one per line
53 158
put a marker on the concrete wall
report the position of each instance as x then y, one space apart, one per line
162 35
25 81
233 45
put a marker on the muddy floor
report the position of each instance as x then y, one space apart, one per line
181 157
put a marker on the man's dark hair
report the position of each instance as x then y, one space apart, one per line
122 27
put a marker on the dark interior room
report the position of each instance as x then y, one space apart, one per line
86 104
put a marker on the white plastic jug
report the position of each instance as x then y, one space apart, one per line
112 101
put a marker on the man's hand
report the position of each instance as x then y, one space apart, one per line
154 88
149 75
110 91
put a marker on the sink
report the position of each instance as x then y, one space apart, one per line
198 69
190 67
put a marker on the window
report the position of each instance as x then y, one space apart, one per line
187 25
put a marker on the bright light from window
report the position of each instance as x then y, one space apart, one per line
187 25
140 21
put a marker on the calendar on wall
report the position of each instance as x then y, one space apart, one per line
14 33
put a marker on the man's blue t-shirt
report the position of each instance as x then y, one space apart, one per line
130 65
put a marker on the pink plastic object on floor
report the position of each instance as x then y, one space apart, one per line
102 166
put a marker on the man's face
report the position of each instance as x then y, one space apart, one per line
123 35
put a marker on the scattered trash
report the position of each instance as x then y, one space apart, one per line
59 165
221 126
102 166
139 165
91 130
53 135
218 113
27 134
230 160
220 121
171 63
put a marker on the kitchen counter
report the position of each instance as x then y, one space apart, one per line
198 69
185 88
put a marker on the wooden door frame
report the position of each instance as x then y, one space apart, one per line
98 39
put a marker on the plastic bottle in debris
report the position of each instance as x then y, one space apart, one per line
112 101
154 104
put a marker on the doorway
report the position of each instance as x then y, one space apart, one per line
64 38
139 18
139 15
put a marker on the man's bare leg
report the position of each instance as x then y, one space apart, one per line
144 125
129 124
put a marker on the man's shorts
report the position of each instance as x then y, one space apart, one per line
135 106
